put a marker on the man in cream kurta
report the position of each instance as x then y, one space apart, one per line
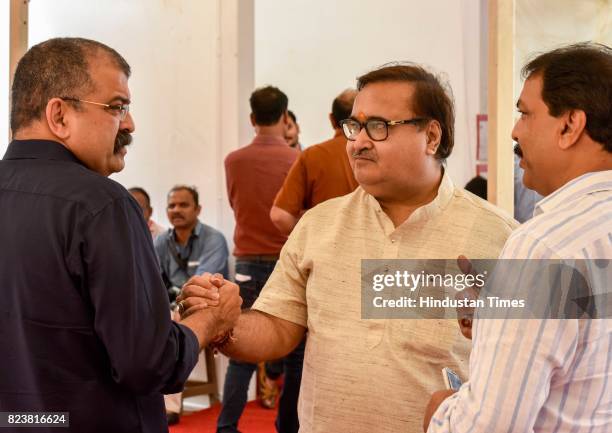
374 375
362 375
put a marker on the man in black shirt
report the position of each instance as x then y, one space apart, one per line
84 323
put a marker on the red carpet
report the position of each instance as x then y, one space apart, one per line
255 419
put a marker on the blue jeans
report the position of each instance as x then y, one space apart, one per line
239 374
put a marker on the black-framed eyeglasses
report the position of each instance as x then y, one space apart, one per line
121 109
377 129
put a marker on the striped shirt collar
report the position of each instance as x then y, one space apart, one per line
586 184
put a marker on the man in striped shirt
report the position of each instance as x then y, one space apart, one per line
545 375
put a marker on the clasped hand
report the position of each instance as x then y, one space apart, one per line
212 292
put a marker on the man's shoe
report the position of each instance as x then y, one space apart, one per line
172 417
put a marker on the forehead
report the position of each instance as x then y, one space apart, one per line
180 196
531 95
108 79
385 99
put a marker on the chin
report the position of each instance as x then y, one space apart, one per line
366 177
528 181
116 165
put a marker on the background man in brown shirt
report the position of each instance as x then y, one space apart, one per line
254 174
321 172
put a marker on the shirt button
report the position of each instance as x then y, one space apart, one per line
392 240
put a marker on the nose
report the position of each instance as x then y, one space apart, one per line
515 128
362 141
128 124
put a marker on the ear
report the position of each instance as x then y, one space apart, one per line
334 121
574 123
198 210
252 117
433 135
285 118
57 117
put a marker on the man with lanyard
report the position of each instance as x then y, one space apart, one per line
189 248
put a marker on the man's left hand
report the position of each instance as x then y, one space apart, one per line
436 400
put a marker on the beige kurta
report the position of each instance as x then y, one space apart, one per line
366 376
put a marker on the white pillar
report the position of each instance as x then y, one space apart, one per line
501 103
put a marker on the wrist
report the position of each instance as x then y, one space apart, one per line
202 326
221 342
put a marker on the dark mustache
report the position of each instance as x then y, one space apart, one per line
123 139
517 150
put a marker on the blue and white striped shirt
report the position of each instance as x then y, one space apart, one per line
544 375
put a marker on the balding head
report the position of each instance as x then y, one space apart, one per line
342 107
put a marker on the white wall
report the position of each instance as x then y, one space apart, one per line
543 25
313 49
175 50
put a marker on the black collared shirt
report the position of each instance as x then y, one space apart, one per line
84 321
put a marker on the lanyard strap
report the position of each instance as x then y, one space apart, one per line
181 262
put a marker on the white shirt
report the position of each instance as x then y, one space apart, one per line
544 375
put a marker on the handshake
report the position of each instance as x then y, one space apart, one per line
210 306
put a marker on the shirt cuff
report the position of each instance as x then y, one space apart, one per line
293 315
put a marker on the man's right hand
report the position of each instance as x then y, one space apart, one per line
465 315
213 295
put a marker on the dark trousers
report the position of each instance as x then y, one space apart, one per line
287 418
239 374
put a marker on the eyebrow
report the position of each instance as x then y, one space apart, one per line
369 118
124 101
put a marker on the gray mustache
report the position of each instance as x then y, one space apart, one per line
123 139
